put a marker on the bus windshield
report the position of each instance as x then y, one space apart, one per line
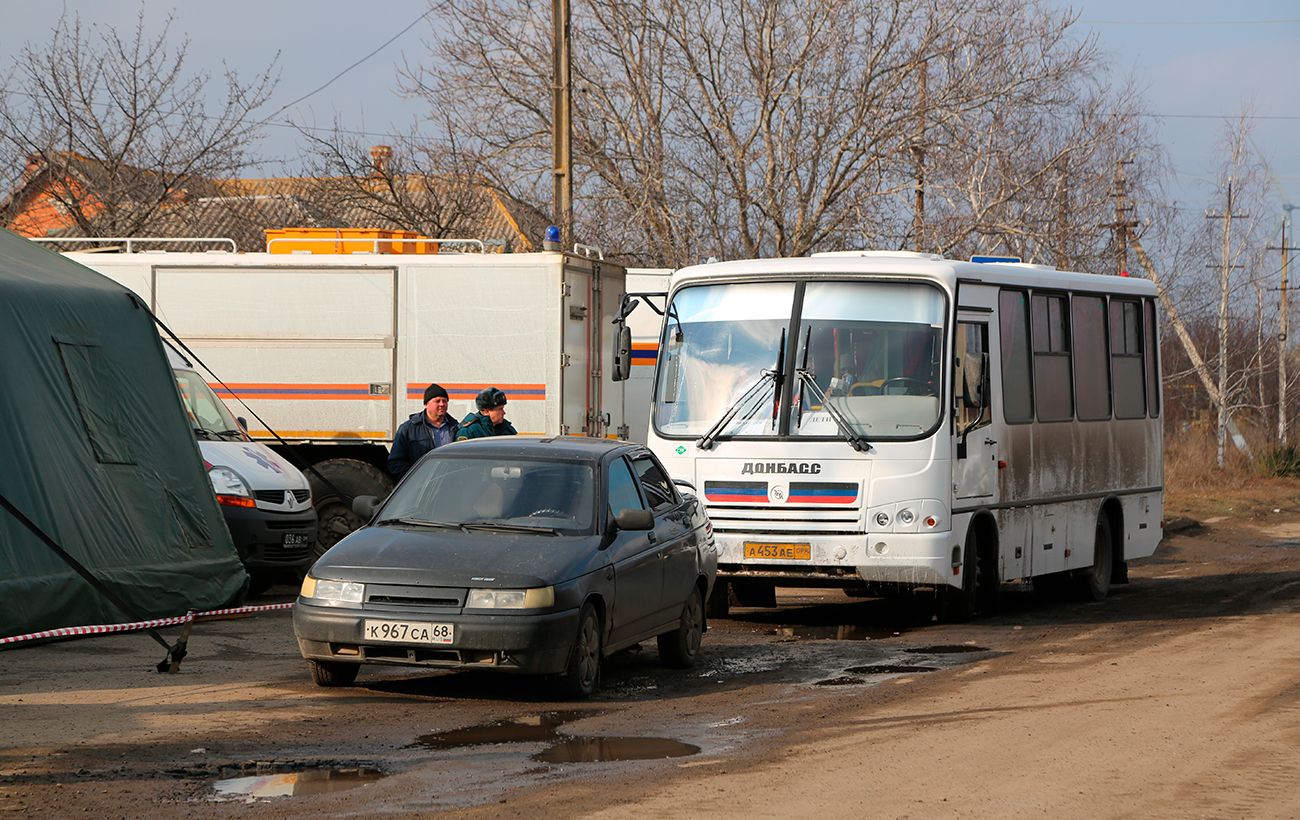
718 340
874 351
871 349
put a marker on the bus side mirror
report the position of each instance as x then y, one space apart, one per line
622 353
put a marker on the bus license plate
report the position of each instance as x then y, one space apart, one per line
780 552
409 632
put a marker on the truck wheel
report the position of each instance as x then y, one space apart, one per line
347 478
681 647
330 673
1093 583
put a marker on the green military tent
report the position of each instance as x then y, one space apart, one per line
96 451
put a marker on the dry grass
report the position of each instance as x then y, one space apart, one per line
1196 487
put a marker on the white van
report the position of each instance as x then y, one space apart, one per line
265 499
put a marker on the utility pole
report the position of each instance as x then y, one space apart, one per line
562 121
1225 268
1283 324
918 154
1123 218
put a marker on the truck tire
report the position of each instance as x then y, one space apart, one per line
334 483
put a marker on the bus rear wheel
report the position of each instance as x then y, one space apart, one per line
1093 583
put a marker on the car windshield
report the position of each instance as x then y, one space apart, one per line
208 415
514 494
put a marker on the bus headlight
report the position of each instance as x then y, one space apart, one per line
906 517
882 519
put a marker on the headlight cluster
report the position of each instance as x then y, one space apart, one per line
535 598
333 592
230 488
924 515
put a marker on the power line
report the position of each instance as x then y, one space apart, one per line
331 80
1275 22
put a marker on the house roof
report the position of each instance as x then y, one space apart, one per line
441 206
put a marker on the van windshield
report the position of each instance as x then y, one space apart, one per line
208 416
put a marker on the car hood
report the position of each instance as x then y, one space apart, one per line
448 558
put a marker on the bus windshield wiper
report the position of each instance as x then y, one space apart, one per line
853 437
776 375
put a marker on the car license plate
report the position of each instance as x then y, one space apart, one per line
782 552
296 539
409 632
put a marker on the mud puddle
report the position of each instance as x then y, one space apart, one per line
564 748
889 669
294 784
836 632
613 749
946 649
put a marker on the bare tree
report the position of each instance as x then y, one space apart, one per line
117 129
432 187
770 127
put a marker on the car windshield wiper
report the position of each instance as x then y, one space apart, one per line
853 437
238 434
417 522
495 525
776 376
206 434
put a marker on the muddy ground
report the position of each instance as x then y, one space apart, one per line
1178 696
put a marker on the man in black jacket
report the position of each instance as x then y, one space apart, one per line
422 432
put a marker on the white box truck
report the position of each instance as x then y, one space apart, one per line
333 351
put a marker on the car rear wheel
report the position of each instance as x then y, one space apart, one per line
681 647
582 677
330 673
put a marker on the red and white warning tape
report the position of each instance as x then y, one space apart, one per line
105 629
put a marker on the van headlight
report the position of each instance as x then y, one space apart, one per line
332 592
535 598
230 487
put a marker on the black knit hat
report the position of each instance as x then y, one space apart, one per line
434 391
489 398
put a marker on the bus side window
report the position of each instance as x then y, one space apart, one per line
972 393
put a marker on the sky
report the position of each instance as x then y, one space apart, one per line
1199 64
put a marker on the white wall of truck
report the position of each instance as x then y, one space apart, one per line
333 351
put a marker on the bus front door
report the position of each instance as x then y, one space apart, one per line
975 461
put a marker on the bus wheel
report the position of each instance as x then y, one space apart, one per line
957 606
1093 583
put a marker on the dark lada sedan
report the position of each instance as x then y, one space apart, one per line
523 555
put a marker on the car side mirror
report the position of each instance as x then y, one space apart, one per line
364 506
635 520
242 422
683 483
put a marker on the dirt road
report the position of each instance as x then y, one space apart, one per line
1178 696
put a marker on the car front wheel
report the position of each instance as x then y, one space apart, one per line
681 647
582 678
329 673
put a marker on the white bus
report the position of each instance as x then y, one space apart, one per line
891 421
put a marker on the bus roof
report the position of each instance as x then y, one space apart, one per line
917 266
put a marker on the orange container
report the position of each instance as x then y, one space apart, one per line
346 240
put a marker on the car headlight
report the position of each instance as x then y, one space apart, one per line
231 489
333 592
535 598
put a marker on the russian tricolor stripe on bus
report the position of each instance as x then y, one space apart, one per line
825 492
742 491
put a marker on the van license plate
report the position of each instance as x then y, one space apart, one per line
296 539
780 552
409 632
